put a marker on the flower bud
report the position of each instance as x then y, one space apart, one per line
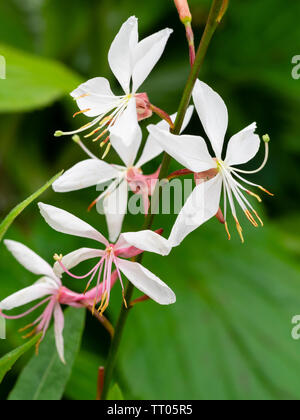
143 106
183 10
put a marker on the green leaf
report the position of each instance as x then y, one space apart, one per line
45 377
32 82
7 362
83 381
4 226
229 334
115 393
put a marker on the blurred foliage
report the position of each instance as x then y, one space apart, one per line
228 336
7 361
45 376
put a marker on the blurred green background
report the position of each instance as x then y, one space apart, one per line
229 335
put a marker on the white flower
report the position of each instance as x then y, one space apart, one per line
49 285
131 62
95 171
192 152
128 246
51 289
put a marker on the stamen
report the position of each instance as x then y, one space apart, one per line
92 133
106 151
37 347
26 328
92 204
227 230
251 183
251 218
81 112
102 301
254 195
239 229
83 128
119 274
104 307
78 277
266 191
92 278
105 141
100 136
31 334
261 222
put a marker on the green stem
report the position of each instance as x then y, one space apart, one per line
211 26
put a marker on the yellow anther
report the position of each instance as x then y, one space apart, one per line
254 195
92 133
261 222
227 230
124 300
57 257
251 218
81 112
101 135
25 328
266 191
240 230
106 151
29 335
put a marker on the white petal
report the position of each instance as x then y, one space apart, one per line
85 174
213 114
187 118
95 95
147 54
201 205
190 151
152 148
59 323
147 282
65 222
75 258
43 287
243 146
29 259
120 55
126 135
145 240
115 208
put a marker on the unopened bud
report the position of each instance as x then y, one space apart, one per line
186 18
58 133
183 10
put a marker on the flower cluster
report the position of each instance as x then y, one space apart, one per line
115 120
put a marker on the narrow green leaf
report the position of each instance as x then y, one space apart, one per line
4 226
45 377
7 361
115 393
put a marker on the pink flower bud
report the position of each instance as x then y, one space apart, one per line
183 10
